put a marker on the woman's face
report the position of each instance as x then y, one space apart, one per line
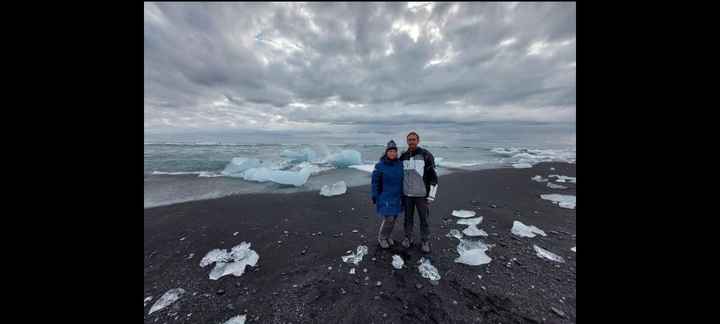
391 154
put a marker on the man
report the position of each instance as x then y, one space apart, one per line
419 189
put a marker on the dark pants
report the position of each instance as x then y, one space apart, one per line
423 212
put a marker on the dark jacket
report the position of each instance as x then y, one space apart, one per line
419 172
387 179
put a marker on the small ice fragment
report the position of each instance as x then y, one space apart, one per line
348 251
552 169
470 221
190 256
545 254
352 271
522 230
427 270
236 233
562 178
555 186
335 189
479 277
522 165
240 319
539 179
182 238
564 201
166 299
329 268
472 253
572 249
365 270
463 213
147 299
454 233
233 262
356 257
354 231
472 230
397 262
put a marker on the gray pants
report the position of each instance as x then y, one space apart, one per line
386 227
423 213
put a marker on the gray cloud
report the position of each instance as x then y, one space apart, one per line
356 66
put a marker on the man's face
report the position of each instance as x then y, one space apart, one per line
412 142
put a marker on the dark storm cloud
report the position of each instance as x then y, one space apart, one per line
329 66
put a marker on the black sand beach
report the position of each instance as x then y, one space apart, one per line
290 286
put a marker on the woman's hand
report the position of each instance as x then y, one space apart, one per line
374 201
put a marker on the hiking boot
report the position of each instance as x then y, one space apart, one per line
384 243
406 243
425 247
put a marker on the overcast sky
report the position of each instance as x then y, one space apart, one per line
366 69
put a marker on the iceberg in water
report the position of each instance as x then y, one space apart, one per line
463 213
306 154
345 158
555 186
239 165
397 262
356 257
363 167
240 319
233 262
545 254
564 201
522 230
472 253
522 165
427 270
166 299
562 178
334 189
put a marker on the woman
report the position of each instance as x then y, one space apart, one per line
387 192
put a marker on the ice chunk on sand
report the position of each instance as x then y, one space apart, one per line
572 249
538 179
545 254
472 253
294 178
166 299
454 233
147 299
240 319
238 165
356 257
522 165
470 221
397 262
233 262
345 158
562 178
352 271
427 270
555 186
363 167
564 201
335 189
522 230
463 213
472 230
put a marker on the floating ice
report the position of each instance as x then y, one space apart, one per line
564 201
335 189
562 178
233 262
440 162
555 186
572 249
472 230
472 253
345 158
545 254
238 165
470 221
522 165
356 257
463 213
240 319
538 179
522 230
455 233
305 154
166 299
363 167
397 262
427 270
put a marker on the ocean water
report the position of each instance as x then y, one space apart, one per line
179 171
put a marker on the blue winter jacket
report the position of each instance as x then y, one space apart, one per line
387 186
